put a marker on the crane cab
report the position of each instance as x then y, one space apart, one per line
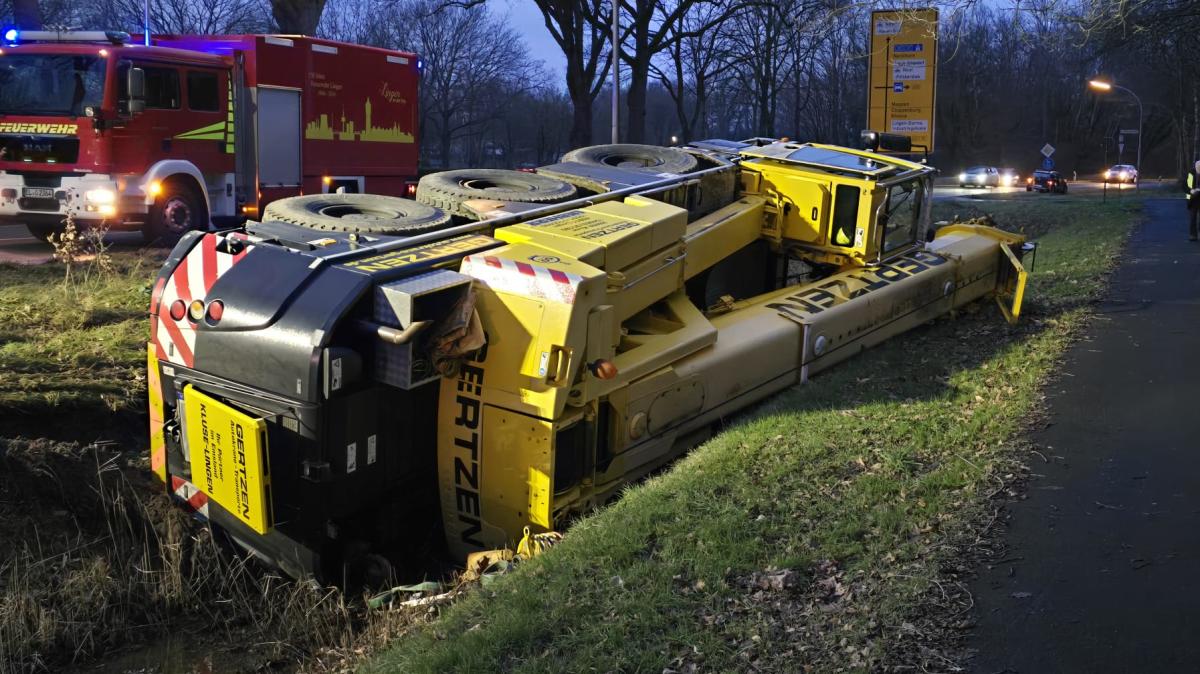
839 206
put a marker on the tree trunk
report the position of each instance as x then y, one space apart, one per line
639 79
579 88
297 17
27 14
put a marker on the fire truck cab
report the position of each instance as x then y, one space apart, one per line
169 136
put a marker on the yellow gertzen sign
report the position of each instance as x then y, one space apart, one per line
903 74
228 457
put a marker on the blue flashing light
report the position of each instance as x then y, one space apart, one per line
11 34
420 64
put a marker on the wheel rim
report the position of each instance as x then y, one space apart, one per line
628 161
484 184
177 215
357 213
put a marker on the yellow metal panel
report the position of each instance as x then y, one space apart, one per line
158 442
229 458
495 467
711 238
611 235
1014 286
902 83
517 461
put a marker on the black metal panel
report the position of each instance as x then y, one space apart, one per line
297 309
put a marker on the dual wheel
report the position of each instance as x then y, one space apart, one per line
463 193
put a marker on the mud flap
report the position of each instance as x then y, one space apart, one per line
1010 284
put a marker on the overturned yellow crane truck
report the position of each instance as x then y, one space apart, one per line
358 378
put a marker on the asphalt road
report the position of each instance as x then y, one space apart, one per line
18 246
1101 570
949 189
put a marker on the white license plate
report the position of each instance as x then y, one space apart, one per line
38 192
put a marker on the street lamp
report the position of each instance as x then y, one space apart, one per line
1101 85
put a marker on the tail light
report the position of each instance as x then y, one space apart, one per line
411 190
216 309
178 310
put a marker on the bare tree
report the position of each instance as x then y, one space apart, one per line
199 17
27 14
695 60
475 67
651 27
297 17
582 42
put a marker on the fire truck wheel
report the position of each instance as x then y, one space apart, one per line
659 159
177 211
449 189
359 213
43 232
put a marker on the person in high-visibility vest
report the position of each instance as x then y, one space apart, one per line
1193 200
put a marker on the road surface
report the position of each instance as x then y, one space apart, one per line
949 189
1100 572
18 246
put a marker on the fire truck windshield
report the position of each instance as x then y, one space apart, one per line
50 84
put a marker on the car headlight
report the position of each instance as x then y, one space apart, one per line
962 177
101 195
1122 175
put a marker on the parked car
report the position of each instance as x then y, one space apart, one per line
1046 181
1121 173
980 176
1010 177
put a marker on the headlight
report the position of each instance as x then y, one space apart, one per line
100 196
1108 174
979 178
1123 175
962 177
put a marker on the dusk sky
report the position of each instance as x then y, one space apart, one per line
527 19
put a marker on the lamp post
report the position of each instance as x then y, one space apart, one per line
1101 85
616 73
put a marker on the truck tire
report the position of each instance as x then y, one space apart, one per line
177 211
658 159
43 232
357 213
449 189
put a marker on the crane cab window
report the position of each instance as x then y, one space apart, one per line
901 216
203 91
845 215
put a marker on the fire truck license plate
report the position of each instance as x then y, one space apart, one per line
229 457
38 192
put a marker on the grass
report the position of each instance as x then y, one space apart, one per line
74 348
94 563
95 559
823 531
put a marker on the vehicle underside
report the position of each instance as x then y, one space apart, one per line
340 395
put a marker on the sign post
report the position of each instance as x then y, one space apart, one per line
1047 161
902 82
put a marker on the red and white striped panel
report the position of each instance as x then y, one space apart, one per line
522 278
175 341
194 499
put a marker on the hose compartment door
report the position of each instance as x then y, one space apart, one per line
278 137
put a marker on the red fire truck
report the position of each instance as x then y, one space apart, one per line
190 130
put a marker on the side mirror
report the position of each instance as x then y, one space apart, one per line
136 86
888 142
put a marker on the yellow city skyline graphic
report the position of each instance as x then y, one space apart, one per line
320 129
